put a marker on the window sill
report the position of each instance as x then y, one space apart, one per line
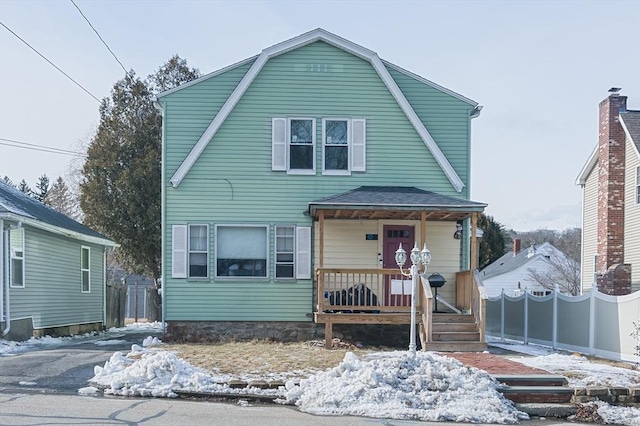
301 172
336 173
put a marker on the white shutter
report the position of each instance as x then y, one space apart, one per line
358 145
303 252
279 144
179 251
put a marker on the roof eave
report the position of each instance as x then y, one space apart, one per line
628 135
587 168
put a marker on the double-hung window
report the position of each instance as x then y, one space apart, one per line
16 244
242 250
85 268
285 251
198 251
294 145
336 146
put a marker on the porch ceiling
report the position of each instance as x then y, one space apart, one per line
393 202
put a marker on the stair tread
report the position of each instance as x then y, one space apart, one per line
535 389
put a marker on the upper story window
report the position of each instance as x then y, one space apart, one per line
16 245
85 269
343 147
335 135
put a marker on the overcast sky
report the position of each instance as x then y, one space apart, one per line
539 68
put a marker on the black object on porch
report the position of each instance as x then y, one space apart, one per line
436 281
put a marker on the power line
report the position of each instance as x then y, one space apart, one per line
35 147
52 64
101 39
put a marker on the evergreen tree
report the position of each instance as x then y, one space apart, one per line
24 187
120 190
60 199
42 188
493 240
8 181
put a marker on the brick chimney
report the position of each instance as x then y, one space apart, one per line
611 152
516 246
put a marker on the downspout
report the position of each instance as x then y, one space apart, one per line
4 281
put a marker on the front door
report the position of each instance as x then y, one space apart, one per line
396 294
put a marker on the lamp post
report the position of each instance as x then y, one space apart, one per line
420 259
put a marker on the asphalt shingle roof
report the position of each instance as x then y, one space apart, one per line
20 204
508 262
397 196
631 121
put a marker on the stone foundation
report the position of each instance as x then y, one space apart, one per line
616 281
628 397
68 330
284 331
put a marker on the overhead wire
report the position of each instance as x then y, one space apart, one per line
35 147
100 37
52 64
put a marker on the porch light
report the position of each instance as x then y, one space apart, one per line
420 260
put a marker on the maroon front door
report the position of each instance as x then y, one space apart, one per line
393 235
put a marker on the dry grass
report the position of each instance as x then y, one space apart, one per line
264 358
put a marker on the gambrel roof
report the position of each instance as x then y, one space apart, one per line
346 45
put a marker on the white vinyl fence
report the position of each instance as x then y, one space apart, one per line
594 323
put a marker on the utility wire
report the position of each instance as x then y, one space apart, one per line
101 39
52 64
35 147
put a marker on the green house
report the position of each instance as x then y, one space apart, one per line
290 179
52 270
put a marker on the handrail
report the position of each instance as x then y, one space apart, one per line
426 302
478 303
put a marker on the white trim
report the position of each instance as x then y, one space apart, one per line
58 230
587 168
204 77
297 42
628 134
288 141
636 194
279 144
12 257
303 253
357 146
87 270
267 229
431 83
275 252
336 172
179 250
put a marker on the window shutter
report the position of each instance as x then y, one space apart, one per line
358 145
279 144
179 251
303 252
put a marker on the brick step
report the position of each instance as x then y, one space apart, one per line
456 346
444 318
537 394
454 326
531 379
470 336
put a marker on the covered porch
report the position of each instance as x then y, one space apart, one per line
358 281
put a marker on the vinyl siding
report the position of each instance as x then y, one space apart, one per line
232 181
52 294
632 216
589 229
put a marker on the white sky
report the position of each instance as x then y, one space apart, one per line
539 68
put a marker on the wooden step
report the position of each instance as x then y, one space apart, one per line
531 379
444 318
537 394
465 336
454 327
456 346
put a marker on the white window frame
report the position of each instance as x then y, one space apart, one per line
291 171
276 252
190 252
325 144
267 255
87 270
638 185
13 257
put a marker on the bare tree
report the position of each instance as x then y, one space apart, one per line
564 272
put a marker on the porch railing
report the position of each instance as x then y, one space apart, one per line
364 290
426 302
472 298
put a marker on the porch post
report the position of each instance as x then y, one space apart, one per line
423 228
474 247
321 242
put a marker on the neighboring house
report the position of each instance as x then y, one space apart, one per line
137 291
52 270
512 273
610 182
314 156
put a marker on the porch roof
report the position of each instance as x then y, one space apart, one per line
393 202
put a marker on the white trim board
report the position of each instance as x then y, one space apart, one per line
295 43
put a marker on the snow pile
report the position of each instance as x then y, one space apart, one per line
580 372
151 341
139 326
400 386
108 342
628 416
9 347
